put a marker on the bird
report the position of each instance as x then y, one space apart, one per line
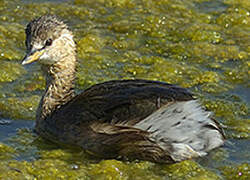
130 119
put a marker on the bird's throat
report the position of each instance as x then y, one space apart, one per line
59 87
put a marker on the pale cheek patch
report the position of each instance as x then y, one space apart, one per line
37 46
44 56
46 59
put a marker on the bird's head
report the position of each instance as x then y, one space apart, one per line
48 40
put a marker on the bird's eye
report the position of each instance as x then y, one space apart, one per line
48 42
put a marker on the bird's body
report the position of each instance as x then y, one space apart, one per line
135 119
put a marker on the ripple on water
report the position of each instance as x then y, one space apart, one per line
9 128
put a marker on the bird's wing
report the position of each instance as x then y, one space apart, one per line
124 101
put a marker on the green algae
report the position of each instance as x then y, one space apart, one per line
35 82
10 71
6 152
106 169
10 34
40 169
19 108
167 40
113 169
90 44
188 170
241 171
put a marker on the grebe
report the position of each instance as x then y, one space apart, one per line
133 119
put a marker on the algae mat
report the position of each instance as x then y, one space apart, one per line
203 45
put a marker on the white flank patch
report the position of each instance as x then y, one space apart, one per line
184 125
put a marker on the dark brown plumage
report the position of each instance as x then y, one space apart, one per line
134 119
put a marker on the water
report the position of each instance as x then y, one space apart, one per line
9 128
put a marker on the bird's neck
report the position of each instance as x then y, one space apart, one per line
59 86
